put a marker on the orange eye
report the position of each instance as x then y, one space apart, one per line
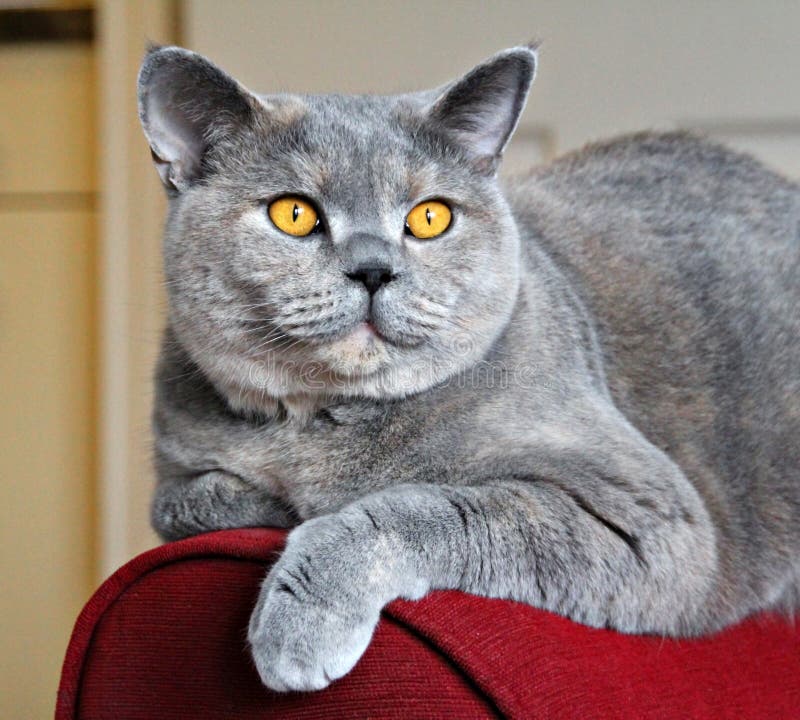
429 219
293 215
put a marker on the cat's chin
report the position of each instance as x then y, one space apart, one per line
364 337
267 391
362 364
362 352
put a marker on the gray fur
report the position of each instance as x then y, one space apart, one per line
585 395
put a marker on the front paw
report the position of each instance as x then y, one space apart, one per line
312 621
214 500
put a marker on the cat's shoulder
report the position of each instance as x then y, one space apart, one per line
678 150
659 172
650 157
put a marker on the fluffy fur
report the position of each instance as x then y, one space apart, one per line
584 395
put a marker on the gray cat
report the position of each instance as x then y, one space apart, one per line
580 391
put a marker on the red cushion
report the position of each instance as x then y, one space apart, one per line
164 637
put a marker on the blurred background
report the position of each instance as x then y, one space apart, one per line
81 303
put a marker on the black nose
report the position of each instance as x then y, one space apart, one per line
373 277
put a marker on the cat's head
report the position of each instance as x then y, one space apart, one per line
334 245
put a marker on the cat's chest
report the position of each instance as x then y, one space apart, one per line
347 450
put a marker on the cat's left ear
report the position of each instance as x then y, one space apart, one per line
480 111
186 105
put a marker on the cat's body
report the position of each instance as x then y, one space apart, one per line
687 256
615 438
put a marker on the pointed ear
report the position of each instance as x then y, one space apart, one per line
185 104
480 110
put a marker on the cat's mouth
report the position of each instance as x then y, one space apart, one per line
367 332
363 349
368 327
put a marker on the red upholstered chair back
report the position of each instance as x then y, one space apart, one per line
164 637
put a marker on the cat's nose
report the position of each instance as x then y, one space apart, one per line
373 277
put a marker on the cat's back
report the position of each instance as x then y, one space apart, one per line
667 234
687 256
677 190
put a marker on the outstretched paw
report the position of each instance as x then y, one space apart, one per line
306 631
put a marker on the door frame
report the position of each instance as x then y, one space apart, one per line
130 292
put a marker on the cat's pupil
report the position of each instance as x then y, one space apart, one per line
428 215
295 212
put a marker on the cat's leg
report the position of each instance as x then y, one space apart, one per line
207 459
214 500
637 554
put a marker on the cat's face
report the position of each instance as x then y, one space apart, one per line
359 306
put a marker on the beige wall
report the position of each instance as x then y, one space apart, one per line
607 66
47 363
80 309
130 293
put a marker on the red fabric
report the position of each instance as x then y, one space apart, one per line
164 637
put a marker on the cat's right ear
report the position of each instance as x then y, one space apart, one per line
186 103
481 110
